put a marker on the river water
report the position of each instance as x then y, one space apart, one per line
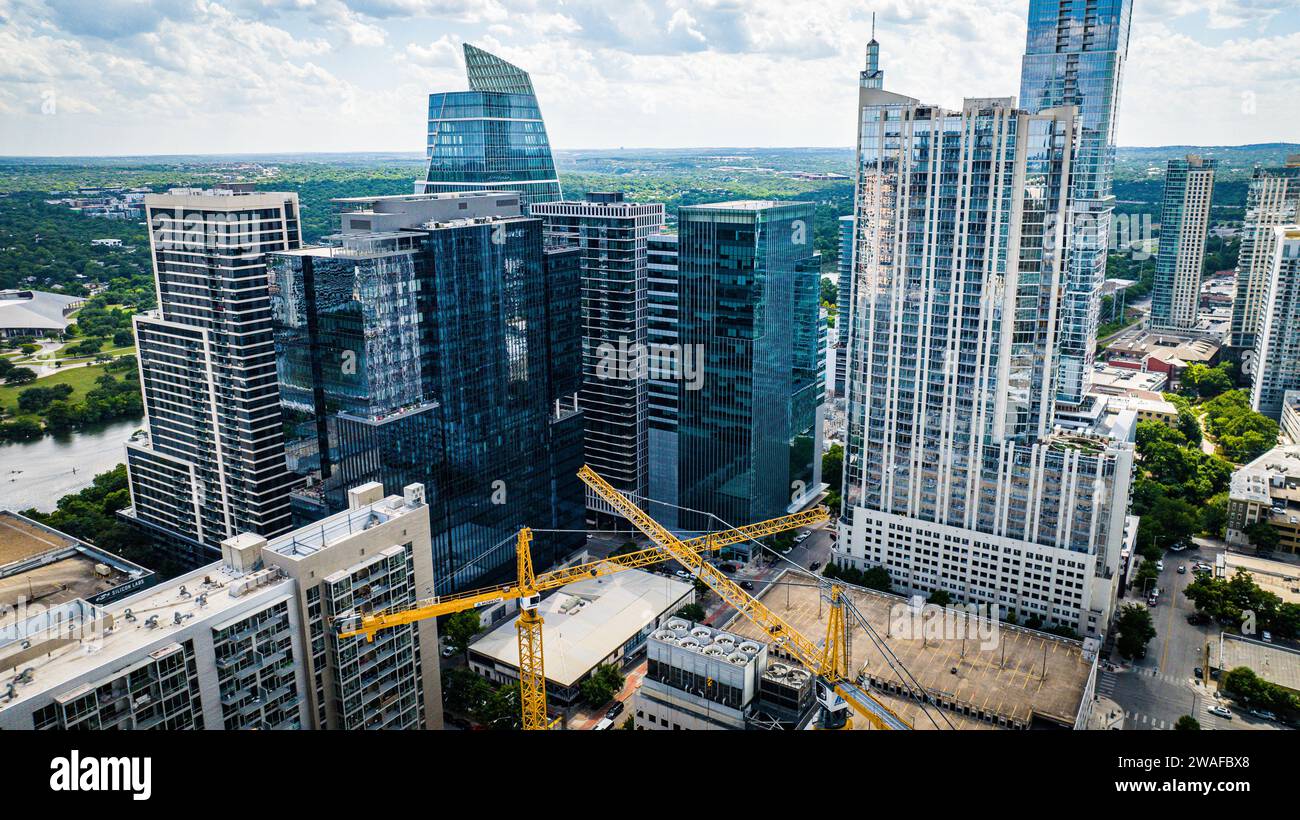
39 473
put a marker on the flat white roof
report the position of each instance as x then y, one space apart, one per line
205 598
585 622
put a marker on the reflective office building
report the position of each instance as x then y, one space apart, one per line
491 137
749 427
1074 55
427 343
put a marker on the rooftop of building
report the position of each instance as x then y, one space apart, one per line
585 622
36 310
36 659
1278 577
741 205
1273 473
1279 665
1123 381
1198 346
1027 675
40 565
230 197
369 508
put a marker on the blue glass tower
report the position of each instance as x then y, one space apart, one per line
749 435
491 137
844 294
437 341
1074 55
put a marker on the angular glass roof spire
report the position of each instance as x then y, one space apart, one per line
488 72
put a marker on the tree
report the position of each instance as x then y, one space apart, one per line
1135 630
1169 521
1242 434
1244 686
830 292
939 597
20 375
1189 426
1146 575
833 468
600 687
460 629
1263 536
1214 515
691 612
1204 382
1187 723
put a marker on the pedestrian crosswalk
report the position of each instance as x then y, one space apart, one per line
1136 720
1155 674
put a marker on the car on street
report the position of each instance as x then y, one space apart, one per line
681 573
1160 565
803 536
746 585
1220 711
1182 569
1198 618
727 567
814 565
1267 636
1198 672
604 724
615 710
1263 714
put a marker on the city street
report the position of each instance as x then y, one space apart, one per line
1155 691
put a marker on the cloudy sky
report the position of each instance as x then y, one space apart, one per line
199 76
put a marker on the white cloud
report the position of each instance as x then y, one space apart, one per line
251 75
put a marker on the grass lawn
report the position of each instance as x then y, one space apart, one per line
82 380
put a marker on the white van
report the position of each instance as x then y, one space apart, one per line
605 723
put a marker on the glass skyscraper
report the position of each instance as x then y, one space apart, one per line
491 137
1074 55
956 476
844 292
429 343
749 433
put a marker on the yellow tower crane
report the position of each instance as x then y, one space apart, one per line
836 691
528 587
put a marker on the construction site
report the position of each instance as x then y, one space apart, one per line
804 652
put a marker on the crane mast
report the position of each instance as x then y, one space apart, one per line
836 691
528 587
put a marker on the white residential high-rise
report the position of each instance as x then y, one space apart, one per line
957 477
1272 200
213 463
1184 223
1277 366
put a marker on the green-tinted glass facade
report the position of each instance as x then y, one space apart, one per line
748 285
